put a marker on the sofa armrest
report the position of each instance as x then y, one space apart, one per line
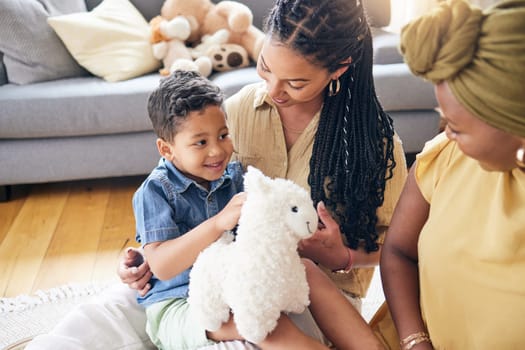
386 47
411 103
3 74
399 90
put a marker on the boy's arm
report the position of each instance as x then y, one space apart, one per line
169 258
399 259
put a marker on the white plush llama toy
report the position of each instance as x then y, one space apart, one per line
260 274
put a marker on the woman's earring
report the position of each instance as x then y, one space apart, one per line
520 157
334 87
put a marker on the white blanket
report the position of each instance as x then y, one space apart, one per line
114 321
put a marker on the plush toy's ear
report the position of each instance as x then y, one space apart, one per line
256 181
155 34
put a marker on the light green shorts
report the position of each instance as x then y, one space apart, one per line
170 326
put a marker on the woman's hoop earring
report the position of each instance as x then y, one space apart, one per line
334 87
520 157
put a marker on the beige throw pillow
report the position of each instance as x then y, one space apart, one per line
111 41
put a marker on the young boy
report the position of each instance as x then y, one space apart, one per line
187 201
185 204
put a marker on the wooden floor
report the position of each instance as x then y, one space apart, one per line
52 234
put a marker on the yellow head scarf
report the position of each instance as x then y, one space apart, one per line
481 54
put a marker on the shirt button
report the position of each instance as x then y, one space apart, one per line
209 199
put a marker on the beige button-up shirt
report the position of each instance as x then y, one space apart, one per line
258 139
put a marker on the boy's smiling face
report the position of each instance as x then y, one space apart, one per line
202 147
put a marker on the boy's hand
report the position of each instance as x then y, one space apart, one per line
134 271
228 217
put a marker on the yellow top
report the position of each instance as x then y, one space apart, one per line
258 140
471 251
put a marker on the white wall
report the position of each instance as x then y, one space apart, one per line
405 10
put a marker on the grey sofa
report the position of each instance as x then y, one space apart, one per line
83 127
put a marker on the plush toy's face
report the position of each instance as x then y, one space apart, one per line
282 201
301 216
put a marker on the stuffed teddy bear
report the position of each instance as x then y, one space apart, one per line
167 38
206 18
226 57
223 56
260 274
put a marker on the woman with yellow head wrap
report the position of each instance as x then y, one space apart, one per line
453 263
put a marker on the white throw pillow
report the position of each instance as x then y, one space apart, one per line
111 41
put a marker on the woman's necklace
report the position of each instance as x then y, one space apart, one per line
292 131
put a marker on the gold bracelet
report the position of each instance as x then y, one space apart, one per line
413 339
349 264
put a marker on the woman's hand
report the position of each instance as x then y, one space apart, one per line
134 270
326 245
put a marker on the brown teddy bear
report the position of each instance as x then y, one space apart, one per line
206 18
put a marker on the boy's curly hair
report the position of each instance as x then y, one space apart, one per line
176 96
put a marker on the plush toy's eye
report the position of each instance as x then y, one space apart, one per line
295 209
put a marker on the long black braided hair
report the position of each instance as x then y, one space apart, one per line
352 156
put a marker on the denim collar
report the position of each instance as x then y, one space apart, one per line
181 182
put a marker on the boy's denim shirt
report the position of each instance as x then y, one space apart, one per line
168 204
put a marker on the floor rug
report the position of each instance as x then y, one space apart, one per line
25 316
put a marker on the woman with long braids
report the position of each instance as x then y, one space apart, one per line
316 119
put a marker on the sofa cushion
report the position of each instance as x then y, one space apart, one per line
89 105
32 50
111 41
232 81
151 8
76 106
148 8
